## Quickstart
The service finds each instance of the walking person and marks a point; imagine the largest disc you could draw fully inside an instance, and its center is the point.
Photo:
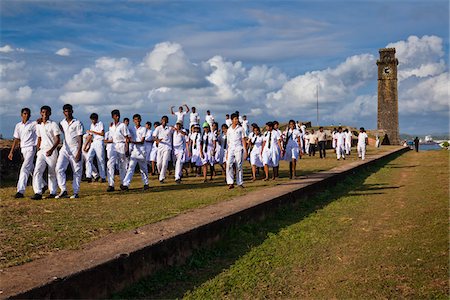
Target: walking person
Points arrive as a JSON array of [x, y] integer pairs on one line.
[[339, 137], [24, 136], [255, 143], [270, 151], [163, 136], [322, 140], [179, 150], [236, 152], [148, 143], [97, 148], [312, 143], [363, 141], [195, 148], [292, 148], [154, 150], [48, 138], [348, 141], [208, 149], [416, 144]]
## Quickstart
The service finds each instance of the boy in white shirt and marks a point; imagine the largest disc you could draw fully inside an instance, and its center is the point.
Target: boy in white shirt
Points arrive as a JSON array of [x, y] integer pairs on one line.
[[179, 150], [163, 136], [180, 113], [363, 140], [348, 141], [25, 136], [209, 118], [119, 136], [245, 124], [138, 155], [97, 148], [228, 121], [194, 118], [340, 143], [270, 150], [236, 152], [70, 153], [48, 134], [148, 142]]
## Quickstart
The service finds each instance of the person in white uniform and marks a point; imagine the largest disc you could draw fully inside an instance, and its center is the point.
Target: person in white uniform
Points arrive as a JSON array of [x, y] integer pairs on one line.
[[119, 135], [97, 148], [163, 136], [85, 158], [293, 147], [363, 141], [137, 154], [70, 153], [148, 143], [221, 148], [245, 125], [195, 148], [228, 121], [154, 151], [255, 142], [179, 150], [339, 137], [25, 136], [270, 150], [209, 118], [194, 118], [48, 138], [180, 113], [348, 141], [236, 152], [208, 150], [333, 139]]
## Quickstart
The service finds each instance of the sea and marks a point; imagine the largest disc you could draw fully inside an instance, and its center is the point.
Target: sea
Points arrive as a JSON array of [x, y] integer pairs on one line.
[[428, 147]]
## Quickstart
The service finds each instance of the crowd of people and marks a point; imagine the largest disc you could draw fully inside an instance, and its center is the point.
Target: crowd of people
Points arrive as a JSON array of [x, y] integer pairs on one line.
[[197, 148]]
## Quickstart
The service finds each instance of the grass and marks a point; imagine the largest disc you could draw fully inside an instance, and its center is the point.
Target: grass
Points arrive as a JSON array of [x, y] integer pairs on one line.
[[34, 229], [382, 233]]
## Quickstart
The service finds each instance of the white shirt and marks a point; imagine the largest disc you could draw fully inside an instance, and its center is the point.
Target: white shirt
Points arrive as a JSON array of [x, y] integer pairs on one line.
[[245, 125], [208, 141], [340, 138], [72, 131], [209, 119], [179, 139], [136, 135], [362, 136], [165, 133], [180, 116], [303, 128], [195, 140], [234, 137], [108, 145], [348, 138], [26, 133], [256, 141], [149, 137], [118, 132], [194, 118], [292, 137], [228, 122], [47, 132], [97, 127], [271, 138]]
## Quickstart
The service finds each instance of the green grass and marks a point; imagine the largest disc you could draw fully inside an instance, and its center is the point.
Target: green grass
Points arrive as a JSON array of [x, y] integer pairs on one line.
[[34, 229], [382, 233]]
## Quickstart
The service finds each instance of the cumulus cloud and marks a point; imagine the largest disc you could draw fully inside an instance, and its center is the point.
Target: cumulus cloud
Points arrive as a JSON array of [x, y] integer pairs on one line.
[[63, 52], [9, 49]]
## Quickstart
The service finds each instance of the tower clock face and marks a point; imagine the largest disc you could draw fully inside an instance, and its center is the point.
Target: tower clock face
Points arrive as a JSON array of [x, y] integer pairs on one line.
[[387, 70]]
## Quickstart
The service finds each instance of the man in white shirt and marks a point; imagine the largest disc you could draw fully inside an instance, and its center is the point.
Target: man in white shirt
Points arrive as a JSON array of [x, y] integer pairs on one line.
[[163, 136], [179, 150], [245, 124], [119, 136], [96, 148], [228, 121], [70, 153], [340, 143], [194, 118], [209, 118], [138, 154], [48, 134], [348, 141], [363, 140], [322, 139], [25, 136], [180, 113], [236, 152]]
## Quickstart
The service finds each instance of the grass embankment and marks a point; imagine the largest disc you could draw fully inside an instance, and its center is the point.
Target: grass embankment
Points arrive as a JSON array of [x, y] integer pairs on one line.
[[32, 229], [376, 235]]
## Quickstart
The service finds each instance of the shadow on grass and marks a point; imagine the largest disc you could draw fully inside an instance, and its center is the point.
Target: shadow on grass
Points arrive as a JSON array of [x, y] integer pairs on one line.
[[206, 263]]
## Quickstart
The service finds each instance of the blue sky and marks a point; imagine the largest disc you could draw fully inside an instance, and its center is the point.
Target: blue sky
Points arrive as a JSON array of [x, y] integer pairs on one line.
[[259, 57]]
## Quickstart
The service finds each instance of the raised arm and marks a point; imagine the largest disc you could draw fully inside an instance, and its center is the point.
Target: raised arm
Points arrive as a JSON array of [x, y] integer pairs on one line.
[[187, 108]]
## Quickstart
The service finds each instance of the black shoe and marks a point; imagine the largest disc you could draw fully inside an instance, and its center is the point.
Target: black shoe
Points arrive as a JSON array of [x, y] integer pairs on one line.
[[62, 195], [110, 189], [51, 196], [89, 180], [241, 186], [178, 181], [103, 180], [146, 187], [18, 195], [123, 187], [36, 197], [97, 178], [161, 181]]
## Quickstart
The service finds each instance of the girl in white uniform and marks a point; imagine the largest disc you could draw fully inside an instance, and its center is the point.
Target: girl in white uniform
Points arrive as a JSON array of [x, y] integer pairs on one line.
[[255, 142], [154, 151], [195, 148], [293, 146], [270, 150], [209, 149]]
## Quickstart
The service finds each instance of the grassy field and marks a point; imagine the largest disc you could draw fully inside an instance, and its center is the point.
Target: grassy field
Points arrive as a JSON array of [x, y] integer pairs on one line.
[[379, 234], [33, 229]]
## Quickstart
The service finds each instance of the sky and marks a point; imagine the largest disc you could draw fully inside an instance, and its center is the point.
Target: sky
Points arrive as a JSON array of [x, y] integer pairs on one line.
[[266, 59]]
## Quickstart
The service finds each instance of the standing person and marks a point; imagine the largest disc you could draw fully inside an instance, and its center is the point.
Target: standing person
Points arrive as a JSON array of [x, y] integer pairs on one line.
[[333, 139], [194, 118], [363, 141], [292, 148], [119, 135], [228, 121], [245, 124], [221, 148], [163, 136], [48, 138], [70, 153], [208, 150], [312, 143], [137, 154], [270, 150], [209, 118], [154, 151], [322, 139], [255, 143], [307, 141], [416, 144], [93, 172], [25, 136], [348, 141], [180, 113], [179, 150], [97, 148], [148, 143], [340, 143], [195, 148], [236, 153]]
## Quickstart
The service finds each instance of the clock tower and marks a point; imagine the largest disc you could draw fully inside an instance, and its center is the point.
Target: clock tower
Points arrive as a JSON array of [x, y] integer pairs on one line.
[[388, 97]]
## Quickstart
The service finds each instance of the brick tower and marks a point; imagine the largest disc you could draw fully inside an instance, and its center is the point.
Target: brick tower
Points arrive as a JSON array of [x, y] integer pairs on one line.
[[388, 96]]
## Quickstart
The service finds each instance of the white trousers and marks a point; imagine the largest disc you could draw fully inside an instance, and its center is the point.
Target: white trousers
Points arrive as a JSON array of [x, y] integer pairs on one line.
[[97, 150], [43, 161], [27, 168], [65, 158], [340, 151], [348, 148], [119, 159], [134, 160], [179, 157], [162, 161], [235, 157], [362, 151]]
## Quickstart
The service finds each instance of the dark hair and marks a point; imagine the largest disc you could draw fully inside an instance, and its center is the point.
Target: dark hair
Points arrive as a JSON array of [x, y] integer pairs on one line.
[[340, 128], [115, 112], [321, 127], [148, 123], [156, 124], [94, 116], [137, 116], [47, 108], [215, 123], [224, 126], [25, 109], [362, 128], [291, 121], [234, 115], [270, 124], [165, 117], [255, 125], [68, 107], [227, 115], [208, 111], [275, 123]]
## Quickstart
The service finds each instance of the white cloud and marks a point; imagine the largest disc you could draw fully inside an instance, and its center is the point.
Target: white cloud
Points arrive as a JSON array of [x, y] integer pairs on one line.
[[63, 52], [9, 49]]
